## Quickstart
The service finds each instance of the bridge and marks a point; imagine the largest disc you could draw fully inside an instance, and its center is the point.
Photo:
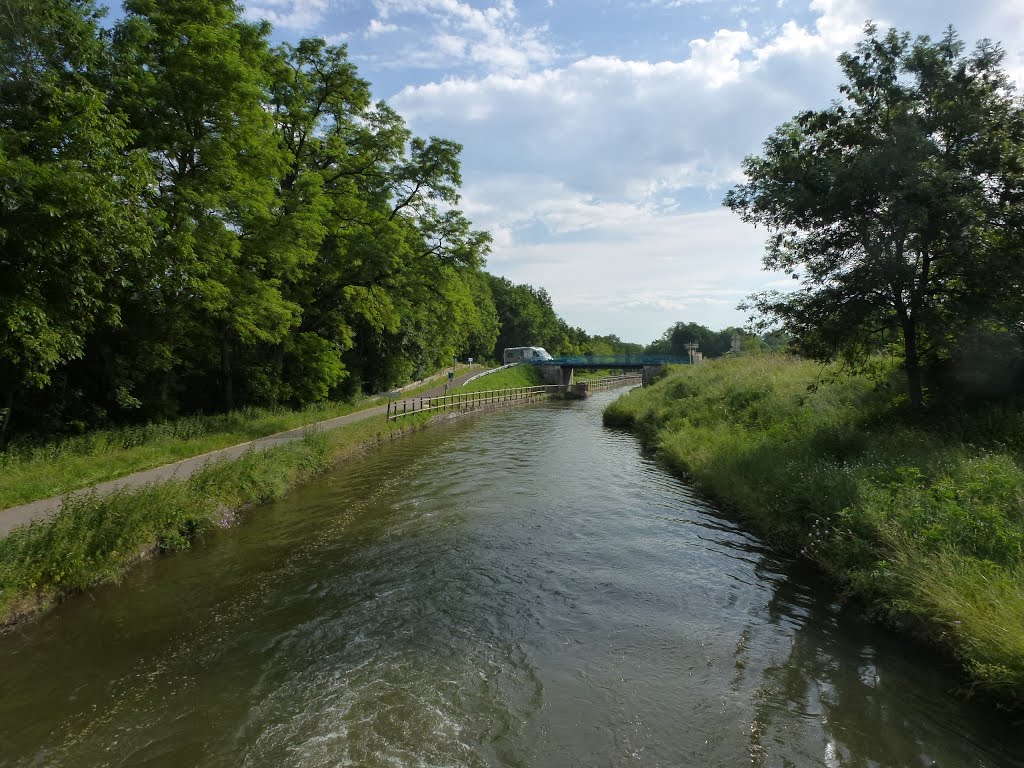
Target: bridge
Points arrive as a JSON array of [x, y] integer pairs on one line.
[[562, 368], [632, 362]]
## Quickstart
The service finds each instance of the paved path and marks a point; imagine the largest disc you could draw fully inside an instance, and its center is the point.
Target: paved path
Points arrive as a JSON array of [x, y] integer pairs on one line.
[[12, 517]]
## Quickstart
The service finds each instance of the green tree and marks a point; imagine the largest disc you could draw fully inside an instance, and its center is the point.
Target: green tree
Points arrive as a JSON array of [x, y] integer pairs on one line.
[[193, 76], [710, 343], [386, 261], [72, 222], [898, 207], [319, 108]]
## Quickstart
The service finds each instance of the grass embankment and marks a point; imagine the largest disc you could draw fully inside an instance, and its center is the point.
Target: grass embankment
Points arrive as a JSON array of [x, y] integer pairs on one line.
[[516, 376], [95, 540], [39, 470], [921, 521]]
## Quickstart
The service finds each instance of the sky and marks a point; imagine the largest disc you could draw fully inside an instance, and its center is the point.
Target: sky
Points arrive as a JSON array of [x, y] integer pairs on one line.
[[599, 137]]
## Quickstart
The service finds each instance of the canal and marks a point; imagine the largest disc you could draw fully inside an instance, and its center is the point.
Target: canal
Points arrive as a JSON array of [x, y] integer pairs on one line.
[[522, 588]]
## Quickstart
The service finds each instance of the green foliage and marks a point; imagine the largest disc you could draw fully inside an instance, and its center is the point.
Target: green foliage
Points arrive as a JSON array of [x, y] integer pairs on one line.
[[72, 218], [898, 209], [527, 318], [223, 223], [921, 520], [710, 343], [192, 77]]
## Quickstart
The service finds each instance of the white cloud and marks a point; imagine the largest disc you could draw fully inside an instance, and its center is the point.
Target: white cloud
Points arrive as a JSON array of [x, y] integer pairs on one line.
[[644, 273], [378, 27], [460, 34], [617, 128], [601, 178], [290, 14], [717, 60], [678, 3]]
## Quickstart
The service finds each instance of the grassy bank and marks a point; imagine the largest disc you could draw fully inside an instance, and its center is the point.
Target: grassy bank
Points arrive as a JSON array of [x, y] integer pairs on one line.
[[41, 469], [38, 471], [922, 521], [94, 540], [516, 376]]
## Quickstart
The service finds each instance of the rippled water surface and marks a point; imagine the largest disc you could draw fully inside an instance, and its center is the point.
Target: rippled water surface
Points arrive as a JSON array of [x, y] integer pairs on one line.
[[522, 588]]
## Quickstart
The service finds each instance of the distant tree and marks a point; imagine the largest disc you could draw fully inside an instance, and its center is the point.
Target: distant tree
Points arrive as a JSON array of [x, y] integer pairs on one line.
[[898, 207], [675, 339], [776, 340], [611, 345]]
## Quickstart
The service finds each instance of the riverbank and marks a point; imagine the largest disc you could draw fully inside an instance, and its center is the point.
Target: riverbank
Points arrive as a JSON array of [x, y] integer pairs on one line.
[[923, 522], [38, 469], [96, 539]]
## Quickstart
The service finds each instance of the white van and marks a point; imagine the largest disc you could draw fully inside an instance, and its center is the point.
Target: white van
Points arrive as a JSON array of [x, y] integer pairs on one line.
[[525, 355]]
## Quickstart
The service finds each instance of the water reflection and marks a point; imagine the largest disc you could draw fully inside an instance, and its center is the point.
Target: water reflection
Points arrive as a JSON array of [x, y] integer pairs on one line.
[[847, 695]]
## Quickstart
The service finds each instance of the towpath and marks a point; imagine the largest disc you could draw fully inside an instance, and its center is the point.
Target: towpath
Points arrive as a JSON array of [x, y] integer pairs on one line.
[[12, 517]]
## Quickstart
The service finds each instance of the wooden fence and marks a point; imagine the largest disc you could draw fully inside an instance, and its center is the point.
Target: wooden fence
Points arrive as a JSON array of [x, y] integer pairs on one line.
[[466, 401], [607, 382]]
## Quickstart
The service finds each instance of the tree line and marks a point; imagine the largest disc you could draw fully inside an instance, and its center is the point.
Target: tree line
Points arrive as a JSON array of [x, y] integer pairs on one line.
[[193, 219]]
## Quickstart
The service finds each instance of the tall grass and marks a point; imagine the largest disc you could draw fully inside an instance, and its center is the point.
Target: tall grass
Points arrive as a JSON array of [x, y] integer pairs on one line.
[[921, 520], [94, 539], [40, 467]]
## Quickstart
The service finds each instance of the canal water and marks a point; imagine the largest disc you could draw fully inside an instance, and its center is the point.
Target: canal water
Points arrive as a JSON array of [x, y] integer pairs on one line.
[[523, 588]]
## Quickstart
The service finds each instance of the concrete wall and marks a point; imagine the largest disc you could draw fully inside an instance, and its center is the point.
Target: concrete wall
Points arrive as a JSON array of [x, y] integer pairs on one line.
[[555, 374]]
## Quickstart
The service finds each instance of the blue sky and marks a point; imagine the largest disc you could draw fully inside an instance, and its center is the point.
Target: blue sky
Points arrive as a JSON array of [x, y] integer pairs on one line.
[[600, 137]]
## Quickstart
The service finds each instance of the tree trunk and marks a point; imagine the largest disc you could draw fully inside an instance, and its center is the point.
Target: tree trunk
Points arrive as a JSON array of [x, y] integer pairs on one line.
[[278, 374], [227, 391], [5, 416], [912, 365]]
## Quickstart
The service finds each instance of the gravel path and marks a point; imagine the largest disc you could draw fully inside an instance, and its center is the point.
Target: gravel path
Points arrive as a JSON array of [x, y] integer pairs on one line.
[[12, 517]]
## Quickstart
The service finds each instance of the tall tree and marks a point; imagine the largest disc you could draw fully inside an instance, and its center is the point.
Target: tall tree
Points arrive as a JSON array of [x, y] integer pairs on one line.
[[193, 79], [527, 318], [385, 256], [71, 212], [898, 207]]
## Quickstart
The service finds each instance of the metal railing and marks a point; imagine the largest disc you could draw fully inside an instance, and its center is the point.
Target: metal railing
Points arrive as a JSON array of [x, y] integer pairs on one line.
[[607, 382], [464, 401], [612, 361]]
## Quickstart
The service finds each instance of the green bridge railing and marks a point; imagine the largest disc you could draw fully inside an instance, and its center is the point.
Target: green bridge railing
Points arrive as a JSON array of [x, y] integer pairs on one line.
[[468, 401], [613, 361]]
